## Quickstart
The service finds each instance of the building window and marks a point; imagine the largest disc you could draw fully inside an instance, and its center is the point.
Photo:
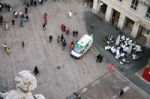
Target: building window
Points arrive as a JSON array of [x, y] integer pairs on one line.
[[134, 4], [148, 13]]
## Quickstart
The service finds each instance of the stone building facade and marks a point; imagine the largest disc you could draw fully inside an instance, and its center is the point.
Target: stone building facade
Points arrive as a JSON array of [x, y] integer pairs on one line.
[[131, 16]]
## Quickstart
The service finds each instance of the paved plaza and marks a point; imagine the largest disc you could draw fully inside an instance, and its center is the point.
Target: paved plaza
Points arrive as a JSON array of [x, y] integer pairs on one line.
[[53, 83], [60, 74], [108, 87]]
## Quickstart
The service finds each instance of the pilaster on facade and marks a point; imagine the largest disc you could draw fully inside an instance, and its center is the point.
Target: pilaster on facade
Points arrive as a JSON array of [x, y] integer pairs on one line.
[[95, 6], [109, 13], [148, 42], [121, 21], [135, 30]]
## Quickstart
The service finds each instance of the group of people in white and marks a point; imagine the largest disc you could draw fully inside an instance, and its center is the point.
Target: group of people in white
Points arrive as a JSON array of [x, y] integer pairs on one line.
[[123, 48]]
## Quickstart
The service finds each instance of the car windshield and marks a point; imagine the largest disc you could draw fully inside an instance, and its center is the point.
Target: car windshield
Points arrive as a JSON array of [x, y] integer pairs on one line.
[[78, 48]]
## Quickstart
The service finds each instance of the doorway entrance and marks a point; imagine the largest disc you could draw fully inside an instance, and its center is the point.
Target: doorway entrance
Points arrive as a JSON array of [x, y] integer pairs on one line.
[[128, 25], [115, 17], [102, 11]]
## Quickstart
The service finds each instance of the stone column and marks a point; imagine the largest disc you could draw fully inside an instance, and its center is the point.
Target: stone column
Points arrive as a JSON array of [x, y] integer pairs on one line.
[[148, 42], [95, 3], [109, 13], [135, 29], [98, 8], [121, 21]]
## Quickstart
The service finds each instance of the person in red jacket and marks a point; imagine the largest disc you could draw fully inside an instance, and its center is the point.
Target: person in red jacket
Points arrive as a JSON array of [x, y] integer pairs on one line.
[[45, 21], [63, 27], [71, 45]]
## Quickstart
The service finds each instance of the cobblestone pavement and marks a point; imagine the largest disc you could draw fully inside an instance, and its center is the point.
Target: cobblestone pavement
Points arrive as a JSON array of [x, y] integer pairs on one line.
[[53, 83]]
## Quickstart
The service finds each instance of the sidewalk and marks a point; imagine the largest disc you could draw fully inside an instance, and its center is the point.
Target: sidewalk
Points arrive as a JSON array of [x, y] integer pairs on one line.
[[108, 86], [102, 27]]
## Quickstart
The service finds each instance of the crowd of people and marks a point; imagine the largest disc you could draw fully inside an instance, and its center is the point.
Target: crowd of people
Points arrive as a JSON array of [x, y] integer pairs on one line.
[[5, 6], [33, 2], [123, 49]]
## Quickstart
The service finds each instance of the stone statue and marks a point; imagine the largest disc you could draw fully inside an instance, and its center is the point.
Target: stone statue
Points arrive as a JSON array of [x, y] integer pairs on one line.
[[25, 84]]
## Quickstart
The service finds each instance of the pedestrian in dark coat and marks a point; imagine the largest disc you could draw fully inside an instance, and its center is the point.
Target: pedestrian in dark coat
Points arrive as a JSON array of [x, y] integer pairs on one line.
[[98, 58], [26, 10], [74, 33], [36, 71], [64, 43], [35, 3], [1, 19], [50, 38], [22, 44], [27, 18], [62, 37], [13, 22], [101, 59]]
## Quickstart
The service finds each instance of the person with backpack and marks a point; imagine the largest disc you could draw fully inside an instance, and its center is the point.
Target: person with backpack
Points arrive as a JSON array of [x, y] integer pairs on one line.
[[36, 71]]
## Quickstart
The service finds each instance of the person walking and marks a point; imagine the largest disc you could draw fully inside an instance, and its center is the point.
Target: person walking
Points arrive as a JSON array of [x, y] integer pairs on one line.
[[6, 26], [13, 22], [21, 22], [58, 39], [1, 19], [76, 33], [27, 18], [71, 45], [5, 46], [101, 59], [26, 10], [15, 14], [62, 37], [35, 3], [36, 71], [22, 43], [45, 15], [98, 58], [64, 43], [41, 1], [44, 26], [45, 21], [50, 38], [63, 27], [67, 31]]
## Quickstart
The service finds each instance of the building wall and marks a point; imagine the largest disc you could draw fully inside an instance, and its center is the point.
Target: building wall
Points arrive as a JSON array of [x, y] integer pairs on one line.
[[138, 15]]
